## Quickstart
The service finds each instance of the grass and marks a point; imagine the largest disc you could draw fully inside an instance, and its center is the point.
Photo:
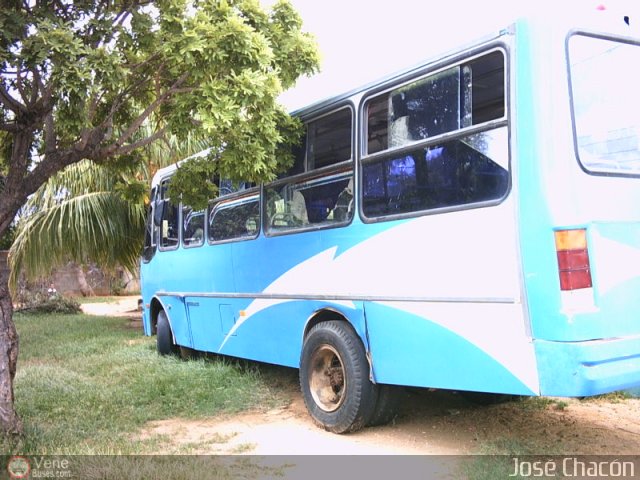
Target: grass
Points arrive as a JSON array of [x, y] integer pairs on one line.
[[85, 385], [613, 397]]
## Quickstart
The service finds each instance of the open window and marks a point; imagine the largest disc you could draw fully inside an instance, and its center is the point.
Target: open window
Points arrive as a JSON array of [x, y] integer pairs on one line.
[[324, 200], [149, 248], [320, 192]]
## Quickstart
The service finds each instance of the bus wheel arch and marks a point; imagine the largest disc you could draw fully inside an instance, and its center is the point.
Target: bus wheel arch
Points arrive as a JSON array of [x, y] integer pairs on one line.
[[334, 377], [154, 309], [330, 314], [324, 315], [165, 344], [161, 327]]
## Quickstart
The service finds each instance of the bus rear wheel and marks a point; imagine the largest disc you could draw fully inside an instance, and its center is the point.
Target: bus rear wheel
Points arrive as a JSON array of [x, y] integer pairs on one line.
[[164, 337], [334, 378], [387, 405]]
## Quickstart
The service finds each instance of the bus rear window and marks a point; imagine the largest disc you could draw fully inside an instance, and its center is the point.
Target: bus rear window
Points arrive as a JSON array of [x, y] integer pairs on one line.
[[606, 102]]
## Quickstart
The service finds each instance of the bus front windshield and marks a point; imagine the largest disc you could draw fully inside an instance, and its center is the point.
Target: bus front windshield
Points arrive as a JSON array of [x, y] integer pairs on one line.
[[606, 104]]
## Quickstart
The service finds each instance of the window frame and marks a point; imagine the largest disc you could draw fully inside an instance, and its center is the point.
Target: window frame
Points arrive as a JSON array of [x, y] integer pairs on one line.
[[204, 227], [419, 75], [574, 128], [309, 175], [220, 204], [179, 220], [150, 228]]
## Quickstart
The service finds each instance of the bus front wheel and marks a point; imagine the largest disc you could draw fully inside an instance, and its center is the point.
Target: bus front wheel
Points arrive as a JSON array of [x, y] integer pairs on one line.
[[334, 378], [164, 337]]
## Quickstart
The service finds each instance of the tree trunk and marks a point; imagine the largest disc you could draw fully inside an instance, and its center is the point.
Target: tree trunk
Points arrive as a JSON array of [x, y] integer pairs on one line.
[[85, 288], [10, 423]]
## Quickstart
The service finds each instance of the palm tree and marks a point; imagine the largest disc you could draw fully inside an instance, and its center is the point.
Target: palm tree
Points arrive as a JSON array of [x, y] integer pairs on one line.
[[90, 213]]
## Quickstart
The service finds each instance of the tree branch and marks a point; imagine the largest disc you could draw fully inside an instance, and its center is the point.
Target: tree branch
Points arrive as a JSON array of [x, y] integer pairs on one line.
[[37, 85], [175, 88], [117, 23], [9, 127], [94, 100], [19, 84], [50, 137], [50, 165], [10, 102], [125, 149]]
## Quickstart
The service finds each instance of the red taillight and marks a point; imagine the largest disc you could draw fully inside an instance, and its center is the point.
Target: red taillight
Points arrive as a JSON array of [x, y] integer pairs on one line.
[[573, 259]]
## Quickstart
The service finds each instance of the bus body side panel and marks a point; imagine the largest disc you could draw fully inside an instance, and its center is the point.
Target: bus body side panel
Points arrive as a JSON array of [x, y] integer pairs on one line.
[[209, 320], [292, 278], [165, 273], [272, 330], [464, 346], [462, 325], [178, 319], [586, 340], [199, 269]]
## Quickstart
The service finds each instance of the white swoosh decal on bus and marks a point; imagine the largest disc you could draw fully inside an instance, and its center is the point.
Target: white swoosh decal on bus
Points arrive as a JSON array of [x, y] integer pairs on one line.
[[303, 273], [615, 262], [498, 330], [461, 259]]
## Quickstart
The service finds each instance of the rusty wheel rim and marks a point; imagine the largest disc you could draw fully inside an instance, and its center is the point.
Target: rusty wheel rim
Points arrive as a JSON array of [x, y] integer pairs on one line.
[[327, 380]]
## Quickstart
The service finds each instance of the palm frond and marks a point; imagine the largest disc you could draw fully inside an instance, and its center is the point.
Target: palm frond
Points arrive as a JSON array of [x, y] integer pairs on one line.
[[99, 227], [82, 213]]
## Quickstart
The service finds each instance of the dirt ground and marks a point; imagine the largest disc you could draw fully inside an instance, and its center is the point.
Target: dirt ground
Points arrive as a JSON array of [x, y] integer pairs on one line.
[[429, 422]]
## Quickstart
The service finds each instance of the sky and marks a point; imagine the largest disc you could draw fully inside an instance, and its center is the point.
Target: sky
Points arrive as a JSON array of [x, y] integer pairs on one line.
[[364, 40]]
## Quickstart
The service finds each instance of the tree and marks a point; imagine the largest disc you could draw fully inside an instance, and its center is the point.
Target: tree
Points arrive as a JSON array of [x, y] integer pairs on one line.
[[91, 213], [79, 78]]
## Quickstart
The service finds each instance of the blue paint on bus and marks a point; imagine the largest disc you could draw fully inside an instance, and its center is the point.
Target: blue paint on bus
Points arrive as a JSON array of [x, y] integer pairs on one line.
[[491, 249]]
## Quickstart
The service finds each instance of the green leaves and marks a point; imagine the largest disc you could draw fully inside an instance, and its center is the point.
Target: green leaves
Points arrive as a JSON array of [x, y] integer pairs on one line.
[[103, 81], [194, 183], [203, 67]]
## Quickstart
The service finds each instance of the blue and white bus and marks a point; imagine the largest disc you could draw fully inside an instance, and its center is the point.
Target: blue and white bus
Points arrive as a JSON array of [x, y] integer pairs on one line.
[[471, 223]]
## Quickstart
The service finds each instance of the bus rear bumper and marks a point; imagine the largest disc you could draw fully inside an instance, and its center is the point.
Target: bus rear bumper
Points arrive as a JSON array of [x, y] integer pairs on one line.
[[576, 369]]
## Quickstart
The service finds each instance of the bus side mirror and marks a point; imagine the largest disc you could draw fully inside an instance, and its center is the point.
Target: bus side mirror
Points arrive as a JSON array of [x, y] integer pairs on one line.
[[158, 212]]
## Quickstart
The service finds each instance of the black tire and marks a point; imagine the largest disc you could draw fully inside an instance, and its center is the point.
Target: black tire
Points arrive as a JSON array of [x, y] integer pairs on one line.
[[387, 404], [334, 378], [164, 337]]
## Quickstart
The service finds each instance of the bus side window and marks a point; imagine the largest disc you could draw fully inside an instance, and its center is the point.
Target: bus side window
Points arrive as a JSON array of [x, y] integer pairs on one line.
[[235, 219], [416, 168], [329, 140], [149, 249], [169, 230], [320, 201], [170, 223], [193, 228], [469, 170], [321, 173]]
